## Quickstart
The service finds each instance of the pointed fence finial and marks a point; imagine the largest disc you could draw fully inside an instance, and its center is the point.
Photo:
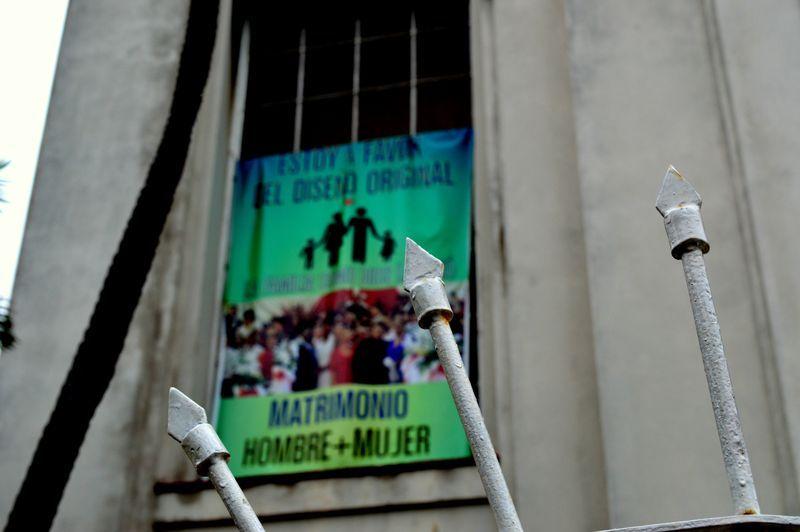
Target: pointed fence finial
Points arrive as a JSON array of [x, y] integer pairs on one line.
[[423, 281], [419, 265], [187, 423], [676, 192], [184, 415], [679, 204]]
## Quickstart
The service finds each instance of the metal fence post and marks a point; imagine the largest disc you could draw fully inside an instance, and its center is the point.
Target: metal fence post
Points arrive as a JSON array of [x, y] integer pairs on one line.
[[679, 204], [422, 279], [188, 425]]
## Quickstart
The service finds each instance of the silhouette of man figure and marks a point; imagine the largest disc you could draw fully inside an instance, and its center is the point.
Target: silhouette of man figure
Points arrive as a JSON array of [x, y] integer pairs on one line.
[[308, 253], [333, 238], [360, 224]]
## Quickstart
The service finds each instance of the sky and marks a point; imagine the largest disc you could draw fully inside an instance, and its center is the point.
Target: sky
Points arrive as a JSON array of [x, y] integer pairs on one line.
[[30, 35]]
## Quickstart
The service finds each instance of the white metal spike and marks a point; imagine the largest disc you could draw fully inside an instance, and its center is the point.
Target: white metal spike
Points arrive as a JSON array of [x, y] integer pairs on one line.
[[423, 280], [679, 204], [187, 423], [184, 415], [676, 192], [420, 265]]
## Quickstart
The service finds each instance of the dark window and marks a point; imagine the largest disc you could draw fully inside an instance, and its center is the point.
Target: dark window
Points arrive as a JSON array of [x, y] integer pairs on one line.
[[329, 26], [268, 129], [444, 104], [354, 71], [326, 122], [384, 19], [442, 52], [383, 113], [385, 61], [273, 78]]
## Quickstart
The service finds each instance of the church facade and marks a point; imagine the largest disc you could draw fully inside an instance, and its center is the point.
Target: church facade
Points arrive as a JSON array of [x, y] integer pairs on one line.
[[565, 116]]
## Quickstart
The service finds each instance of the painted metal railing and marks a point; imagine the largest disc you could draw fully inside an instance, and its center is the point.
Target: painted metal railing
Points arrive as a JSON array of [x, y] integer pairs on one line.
[[679, 204], [188, 425], [422, 279]]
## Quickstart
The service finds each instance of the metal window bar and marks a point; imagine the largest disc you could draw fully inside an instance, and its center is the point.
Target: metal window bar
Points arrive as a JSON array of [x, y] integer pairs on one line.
[[412, 93], [414, 82], [301, 77], [356, 81]]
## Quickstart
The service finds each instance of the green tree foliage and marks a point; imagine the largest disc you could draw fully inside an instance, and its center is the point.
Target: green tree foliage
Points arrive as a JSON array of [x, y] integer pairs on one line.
[[7, 338]]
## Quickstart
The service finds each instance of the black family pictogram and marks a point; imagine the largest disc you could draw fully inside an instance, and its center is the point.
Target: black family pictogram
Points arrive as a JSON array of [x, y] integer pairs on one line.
[[332, 240]]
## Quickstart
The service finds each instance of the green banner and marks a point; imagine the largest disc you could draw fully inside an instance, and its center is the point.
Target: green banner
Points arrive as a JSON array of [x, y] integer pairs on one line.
[[324, 365], [341, 427], [310, 222]]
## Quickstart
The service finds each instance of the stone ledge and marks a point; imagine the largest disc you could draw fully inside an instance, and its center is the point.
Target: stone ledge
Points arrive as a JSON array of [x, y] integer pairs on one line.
[[723, 524], [330, 495]]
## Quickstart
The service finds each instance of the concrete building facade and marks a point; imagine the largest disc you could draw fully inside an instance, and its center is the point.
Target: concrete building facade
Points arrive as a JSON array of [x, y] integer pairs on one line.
[[590, 376]]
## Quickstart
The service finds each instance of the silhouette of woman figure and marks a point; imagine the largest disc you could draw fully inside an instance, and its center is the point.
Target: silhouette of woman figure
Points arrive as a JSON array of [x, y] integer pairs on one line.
[[333, 238], [360, 224]]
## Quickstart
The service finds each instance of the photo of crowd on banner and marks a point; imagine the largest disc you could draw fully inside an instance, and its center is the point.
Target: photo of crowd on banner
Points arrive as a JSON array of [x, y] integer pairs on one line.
[[361, 337]]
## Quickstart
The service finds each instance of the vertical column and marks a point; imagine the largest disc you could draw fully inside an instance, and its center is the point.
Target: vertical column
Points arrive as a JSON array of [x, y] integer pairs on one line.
[[757, 67]]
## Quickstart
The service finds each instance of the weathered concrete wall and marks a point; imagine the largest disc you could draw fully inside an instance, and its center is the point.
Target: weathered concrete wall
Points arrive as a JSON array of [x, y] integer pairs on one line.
[[437, 520], [647, 93], [540, 351], [759, 72], [700, 84], [111, 94], [369, 494]]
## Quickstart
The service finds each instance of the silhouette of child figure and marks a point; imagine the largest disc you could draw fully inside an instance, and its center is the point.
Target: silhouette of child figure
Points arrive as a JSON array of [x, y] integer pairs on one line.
[[387, 250], [308, 253]]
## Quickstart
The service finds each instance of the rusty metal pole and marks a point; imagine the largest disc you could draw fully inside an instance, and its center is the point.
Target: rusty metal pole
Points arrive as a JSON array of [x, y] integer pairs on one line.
[[188, 425], [423, 281], [679, 204]]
